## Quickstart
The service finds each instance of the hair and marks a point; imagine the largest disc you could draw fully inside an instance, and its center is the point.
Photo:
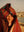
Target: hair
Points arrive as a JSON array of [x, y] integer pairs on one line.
[[9, 27]]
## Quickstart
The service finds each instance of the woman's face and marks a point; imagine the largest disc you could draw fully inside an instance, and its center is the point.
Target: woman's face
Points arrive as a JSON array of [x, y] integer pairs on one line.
[[10, 18]]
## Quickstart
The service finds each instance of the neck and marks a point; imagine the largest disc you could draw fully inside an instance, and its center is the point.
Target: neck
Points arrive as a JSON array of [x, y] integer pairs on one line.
[[9, 24]]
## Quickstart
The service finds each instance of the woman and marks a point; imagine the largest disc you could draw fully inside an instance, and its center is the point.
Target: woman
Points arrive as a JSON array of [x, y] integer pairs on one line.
[[9, 19]]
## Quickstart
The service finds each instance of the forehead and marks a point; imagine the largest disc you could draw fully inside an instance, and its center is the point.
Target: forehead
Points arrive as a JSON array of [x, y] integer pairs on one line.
[[9, 15]]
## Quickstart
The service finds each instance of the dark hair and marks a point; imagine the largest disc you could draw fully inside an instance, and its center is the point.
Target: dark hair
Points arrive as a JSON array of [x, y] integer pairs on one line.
[[9, 27]]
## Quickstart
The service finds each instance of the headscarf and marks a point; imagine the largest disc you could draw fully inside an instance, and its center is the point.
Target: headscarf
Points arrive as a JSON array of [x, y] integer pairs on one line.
[[10, 10]]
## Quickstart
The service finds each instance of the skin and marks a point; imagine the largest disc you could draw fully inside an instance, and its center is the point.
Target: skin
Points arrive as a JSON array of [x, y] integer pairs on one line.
[[10, 19]]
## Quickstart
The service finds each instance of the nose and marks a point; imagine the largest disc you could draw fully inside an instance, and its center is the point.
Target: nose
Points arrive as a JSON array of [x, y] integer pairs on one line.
[[9, 18]]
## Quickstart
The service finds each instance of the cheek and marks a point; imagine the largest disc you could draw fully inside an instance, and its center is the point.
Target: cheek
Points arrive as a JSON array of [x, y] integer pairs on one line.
[[8, 19], [11, 19]]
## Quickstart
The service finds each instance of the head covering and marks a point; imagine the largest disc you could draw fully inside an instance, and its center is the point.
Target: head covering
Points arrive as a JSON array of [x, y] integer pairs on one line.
[[8, 9]]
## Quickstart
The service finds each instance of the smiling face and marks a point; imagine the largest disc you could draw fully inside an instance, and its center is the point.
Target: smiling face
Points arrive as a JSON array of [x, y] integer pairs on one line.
[[10, 18]]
